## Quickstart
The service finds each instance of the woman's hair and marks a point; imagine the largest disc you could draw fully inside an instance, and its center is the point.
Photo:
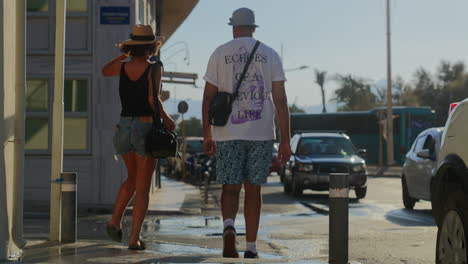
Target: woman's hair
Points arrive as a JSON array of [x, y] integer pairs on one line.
[[141, 50]]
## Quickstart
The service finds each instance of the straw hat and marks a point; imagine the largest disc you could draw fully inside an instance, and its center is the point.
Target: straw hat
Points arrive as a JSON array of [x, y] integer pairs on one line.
[[141, 35]]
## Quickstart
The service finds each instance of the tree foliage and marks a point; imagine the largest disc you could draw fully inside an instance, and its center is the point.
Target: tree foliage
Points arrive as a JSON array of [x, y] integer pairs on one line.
[[354, 94], [320, 78], [449, 84], [295, 109]]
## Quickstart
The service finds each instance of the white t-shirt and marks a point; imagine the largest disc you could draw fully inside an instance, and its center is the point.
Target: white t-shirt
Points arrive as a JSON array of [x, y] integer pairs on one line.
[[252, 116]]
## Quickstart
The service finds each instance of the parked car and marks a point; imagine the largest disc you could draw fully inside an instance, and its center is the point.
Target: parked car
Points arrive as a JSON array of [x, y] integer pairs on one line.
[[193, 149], [449, 189], [420, 166], [316, 155], [276, 165]]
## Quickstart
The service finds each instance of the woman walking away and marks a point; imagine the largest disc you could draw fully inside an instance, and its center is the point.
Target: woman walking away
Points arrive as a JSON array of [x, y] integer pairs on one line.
[[136, 95]]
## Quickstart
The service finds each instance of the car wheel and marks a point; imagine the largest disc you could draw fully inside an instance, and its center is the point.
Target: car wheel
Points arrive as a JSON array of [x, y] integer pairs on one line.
[[408, 202], [296, 189], [360, 192], [452, 233]]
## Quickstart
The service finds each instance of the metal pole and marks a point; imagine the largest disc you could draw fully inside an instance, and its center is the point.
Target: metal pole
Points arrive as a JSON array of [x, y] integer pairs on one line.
[[17, 226], [68, 207], [184, 149], [57, 122], [390, 160], [338, 220]]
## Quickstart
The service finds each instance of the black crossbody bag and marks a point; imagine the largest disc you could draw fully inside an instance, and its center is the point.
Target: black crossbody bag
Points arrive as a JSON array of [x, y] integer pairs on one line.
[[221, 106], [160, 142]]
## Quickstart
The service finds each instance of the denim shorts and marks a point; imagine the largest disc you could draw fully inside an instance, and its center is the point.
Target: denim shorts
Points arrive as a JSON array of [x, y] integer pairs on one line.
[[242, 160], [130, 136]]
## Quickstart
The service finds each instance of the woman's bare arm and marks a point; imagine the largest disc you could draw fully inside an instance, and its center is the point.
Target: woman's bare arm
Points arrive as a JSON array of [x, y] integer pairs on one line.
[[112, 68], [158, 71]]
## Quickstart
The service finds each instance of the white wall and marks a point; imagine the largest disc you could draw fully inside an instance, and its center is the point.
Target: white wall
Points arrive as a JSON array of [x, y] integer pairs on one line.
[[10, 191]]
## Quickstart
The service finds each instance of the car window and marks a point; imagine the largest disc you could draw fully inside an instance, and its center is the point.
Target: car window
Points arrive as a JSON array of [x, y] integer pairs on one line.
[[294, 142], [324, 146], [419, 143], [429, 144], [194, 146]]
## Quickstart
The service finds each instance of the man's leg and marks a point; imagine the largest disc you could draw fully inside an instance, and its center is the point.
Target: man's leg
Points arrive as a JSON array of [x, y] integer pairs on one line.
[[229, 208], [257, 169], [252, 210]]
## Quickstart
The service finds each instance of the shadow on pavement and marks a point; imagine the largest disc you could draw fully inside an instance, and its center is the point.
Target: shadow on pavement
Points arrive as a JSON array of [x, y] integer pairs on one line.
[[405, 217]]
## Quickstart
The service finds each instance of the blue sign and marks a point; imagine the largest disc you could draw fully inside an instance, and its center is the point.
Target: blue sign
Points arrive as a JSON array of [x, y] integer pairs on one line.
[[115, 15]]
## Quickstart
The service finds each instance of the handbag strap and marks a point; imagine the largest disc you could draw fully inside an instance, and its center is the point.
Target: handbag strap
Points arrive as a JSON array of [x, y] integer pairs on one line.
[[246, 67], [157, 122]]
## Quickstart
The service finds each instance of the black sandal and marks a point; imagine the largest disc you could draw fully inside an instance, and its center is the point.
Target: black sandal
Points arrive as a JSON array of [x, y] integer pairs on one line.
[[138, 246], [114, 233]]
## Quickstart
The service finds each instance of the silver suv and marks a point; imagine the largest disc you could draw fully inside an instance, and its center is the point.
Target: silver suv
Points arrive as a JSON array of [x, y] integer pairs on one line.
[[449, 189]]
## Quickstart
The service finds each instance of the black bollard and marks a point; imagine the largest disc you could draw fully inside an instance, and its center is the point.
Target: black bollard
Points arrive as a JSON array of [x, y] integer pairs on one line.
[[338, 221], [68, 207]]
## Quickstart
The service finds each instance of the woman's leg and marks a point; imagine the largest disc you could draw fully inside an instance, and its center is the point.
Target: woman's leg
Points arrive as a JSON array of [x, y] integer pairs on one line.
[[127, 190], [146, 166]]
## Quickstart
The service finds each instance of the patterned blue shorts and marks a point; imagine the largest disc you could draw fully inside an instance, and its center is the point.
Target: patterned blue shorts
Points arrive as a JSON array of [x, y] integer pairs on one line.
[[130, 136], [239, 160]]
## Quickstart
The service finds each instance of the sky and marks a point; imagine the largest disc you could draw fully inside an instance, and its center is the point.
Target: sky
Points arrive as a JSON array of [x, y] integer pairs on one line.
[[337, 36]]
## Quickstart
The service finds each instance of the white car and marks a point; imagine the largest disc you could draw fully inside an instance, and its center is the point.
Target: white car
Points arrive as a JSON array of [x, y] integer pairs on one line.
[[420, 166], [449, 189]]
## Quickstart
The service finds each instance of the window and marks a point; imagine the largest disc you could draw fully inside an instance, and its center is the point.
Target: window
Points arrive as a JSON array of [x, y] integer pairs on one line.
[[430, 145], [77, 5], [38, 5], [75, 125], [37, 119], [41, 27], [39, 112], [418, 146]]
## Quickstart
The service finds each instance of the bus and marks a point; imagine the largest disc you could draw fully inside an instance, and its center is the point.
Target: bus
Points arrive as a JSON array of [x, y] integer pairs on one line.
[[364, 130]]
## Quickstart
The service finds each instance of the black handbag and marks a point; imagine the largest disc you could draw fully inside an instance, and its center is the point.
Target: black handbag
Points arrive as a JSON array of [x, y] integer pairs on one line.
[[221, 106], [160, 142]]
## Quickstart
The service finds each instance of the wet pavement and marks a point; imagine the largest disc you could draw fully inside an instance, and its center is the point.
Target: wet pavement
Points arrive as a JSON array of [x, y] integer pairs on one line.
[[181, 235], [168, 239], [293, 230]]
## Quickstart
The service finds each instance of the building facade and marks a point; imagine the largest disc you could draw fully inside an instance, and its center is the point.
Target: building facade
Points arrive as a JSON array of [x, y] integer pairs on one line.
[[91, 101]]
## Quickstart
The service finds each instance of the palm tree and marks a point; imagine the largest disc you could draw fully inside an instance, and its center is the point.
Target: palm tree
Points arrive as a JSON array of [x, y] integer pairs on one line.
[[320, 78]]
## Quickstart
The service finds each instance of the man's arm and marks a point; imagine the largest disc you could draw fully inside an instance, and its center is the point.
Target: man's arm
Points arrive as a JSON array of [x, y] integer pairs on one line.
[[208, 95], [282, 115]]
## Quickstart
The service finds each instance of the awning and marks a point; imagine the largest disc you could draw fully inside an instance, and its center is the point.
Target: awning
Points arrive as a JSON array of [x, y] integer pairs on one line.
[[173, 13]]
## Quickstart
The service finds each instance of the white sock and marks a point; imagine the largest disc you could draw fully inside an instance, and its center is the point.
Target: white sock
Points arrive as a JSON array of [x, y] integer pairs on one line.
[[252, 246], [228, 222]]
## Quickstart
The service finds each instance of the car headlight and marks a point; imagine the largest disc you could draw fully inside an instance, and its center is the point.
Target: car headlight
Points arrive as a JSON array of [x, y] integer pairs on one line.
[[305, 167], [359, 168]]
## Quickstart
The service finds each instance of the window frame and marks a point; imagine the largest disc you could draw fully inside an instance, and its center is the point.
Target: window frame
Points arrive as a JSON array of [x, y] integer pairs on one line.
[[48, 115]]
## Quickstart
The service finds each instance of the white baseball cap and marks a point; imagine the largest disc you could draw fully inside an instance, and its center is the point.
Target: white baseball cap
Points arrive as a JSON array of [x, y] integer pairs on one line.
[[242, 17]]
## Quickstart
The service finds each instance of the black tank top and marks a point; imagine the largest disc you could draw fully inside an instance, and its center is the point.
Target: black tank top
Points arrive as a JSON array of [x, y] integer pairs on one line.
[[134, 94]]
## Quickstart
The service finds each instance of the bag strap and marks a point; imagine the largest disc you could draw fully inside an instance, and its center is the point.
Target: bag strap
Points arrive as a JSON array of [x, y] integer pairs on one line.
[[246, 67], [157, 122]]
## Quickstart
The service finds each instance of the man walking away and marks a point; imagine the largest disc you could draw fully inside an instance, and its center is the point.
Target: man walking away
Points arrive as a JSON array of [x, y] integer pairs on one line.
[[243, 147]]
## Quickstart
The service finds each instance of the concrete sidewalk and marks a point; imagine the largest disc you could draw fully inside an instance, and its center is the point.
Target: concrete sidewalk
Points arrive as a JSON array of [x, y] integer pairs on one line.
[[174, 230]]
